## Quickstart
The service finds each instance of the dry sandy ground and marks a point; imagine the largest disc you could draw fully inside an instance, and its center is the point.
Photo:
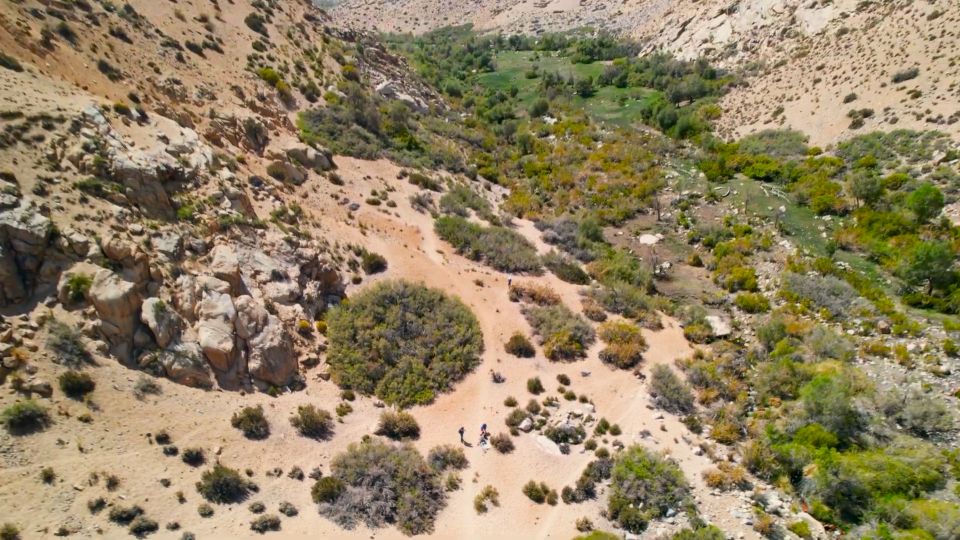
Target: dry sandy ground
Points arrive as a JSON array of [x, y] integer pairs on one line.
[[117, 440]]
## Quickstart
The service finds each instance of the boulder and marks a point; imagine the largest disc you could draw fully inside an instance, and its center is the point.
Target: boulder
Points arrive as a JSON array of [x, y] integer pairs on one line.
[[225, 265], [217, 314], [36, 385], [548, 446], [526, 426], [287, 172], [183, 363], [309, 157], [271, 357], [24, 236], [136, 263], [251, 316], [164, 323], [117, 303]]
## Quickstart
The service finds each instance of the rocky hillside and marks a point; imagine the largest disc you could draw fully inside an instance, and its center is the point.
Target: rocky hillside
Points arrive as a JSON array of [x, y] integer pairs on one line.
[[807, 64]]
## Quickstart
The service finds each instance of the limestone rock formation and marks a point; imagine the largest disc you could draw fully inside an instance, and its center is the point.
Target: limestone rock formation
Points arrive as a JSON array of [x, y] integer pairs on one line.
[[117, 303], [217, 314], [24, 238], [164, 323]]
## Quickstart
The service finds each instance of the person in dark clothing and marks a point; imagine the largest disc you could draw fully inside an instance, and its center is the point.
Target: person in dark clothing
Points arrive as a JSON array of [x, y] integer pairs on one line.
[[462, 431]]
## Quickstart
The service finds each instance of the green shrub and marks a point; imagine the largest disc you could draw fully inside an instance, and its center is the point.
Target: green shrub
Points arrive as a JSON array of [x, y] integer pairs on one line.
[[288, 509], [47, 475], [256, 22], [670, 393], [625, 344], [498, 247], [801, 529], [752, 302], [373, 263], [565, 434], [205, 510], [441, 338], [193, 457], [142, 526], [536, 492], [446, 457], [252, 422], [76, 384], [836, 296], [398, 426], [327, 490], [78, 286], [517, 416], [905, 75], [502, 442], [830, 400], [534, 386], [519, 346], [66, 343], [222, 485], [9, 62], [264, 523], [386, 484], [25, 417], [487, 494], [563, 334], [565, 268], [644, 487], [312, 422], [123, 515]]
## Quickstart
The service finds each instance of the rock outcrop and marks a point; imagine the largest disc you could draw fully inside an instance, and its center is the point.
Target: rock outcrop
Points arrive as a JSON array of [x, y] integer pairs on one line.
[[117, 303], [164, 323], [215, 330], [24, 238]]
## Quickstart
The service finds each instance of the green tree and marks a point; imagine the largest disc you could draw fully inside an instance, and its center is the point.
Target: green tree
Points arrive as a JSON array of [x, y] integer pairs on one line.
[[866, 187], [925, 202], [929, 264], [584, 87]]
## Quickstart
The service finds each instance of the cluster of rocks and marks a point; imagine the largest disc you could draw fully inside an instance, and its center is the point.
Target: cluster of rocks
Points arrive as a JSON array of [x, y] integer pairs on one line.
[[163, 299], [212, 323]]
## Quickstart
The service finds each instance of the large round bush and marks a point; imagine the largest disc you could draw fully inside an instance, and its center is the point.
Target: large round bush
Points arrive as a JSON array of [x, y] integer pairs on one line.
[[403, 342]]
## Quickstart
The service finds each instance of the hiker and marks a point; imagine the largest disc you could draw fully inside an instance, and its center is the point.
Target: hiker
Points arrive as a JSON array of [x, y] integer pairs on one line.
[[461, 431], [483, 430], [509, 282]]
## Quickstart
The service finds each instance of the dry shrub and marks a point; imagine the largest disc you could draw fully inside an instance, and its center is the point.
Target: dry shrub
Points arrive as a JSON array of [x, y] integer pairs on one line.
[[534, 293]]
